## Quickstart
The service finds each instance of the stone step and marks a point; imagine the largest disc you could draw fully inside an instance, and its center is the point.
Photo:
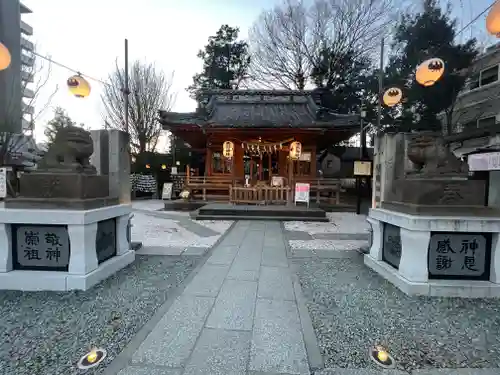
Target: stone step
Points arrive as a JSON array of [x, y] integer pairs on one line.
[[196, 216]]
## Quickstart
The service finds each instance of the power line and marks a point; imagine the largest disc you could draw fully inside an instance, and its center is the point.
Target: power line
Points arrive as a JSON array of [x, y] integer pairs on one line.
[[68, 68], [475, 19]]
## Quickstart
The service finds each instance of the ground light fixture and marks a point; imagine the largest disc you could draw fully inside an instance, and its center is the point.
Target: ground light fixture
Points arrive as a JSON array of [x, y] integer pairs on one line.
[[381, 357], [92, 359]]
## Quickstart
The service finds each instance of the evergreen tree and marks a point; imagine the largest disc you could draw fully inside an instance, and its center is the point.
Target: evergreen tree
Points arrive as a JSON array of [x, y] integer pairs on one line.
[[225, 62], [59, 121], [418, 37]]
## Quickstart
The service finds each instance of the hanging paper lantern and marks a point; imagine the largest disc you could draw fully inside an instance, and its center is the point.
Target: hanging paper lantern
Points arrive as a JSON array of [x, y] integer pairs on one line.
[[493, 20], [392, 96], [78, 86], [295, 150], [430, 71], [228, 149], [5, 57]]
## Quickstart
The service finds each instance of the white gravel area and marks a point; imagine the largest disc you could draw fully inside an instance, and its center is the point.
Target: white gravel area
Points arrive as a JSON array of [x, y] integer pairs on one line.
[[327, 244], [159, 232], [217, 225], [340, 222], [148, 204]]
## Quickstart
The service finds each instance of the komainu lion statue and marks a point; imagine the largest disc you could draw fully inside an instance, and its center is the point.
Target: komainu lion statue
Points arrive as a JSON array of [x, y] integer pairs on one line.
[[431, 156], [69, 153]]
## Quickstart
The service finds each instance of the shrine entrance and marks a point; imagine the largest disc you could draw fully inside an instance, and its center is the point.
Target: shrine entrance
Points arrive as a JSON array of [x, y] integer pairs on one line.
[[260, 168]]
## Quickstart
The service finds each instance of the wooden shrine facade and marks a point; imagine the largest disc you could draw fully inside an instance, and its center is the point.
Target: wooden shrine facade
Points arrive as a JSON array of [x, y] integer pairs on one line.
[[261, 125]]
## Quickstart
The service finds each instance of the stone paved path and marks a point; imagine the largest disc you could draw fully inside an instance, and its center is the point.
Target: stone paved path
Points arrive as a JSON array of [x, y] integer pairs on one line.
[[238, 315]]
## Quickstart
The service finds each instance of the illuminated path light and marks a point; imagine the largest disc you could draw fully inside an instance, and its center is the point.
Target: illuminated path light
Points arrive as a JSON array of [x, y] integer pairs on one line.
[[92, 359], [381, 357]]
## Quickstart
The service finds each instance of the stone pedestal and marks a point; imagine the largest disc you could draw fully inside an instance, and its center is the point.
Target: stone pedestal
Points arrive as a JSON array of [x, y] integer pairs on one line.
[[62, 250], [62, 191], [419, 254], [437, 196]]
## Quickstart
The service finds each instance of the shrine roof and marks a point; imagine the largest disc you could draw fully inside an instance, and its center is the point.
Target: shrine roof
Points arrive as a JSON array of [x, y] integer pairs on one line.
[[259, 109]]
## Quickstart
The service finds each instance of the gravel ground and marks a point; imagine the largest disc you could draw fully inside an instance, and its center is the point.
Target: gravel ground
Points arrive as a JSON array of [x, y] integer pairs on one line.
[[45, 333], [352, 308]]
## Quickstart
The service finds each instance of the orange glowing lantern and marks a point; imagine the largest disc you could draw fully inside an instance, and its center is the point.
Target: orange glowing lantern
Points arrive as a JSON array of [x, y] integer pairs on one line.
[[78, 86], [493, 20], [430, 71], [5, 57], [295, 150], [228, 149], [392, 96]]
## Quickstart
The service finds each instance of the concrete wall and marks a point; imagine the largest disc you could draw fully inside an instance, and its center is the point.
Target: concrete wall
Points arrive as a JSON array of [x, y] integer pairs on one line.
[[10, 79], [494, 189], [390, 163], [111, 157]]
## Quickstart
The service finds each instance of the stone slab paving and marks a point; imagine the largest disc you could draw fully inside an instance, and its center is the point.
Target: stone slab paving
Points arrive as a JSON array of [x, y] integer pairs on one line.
[[238, 315]]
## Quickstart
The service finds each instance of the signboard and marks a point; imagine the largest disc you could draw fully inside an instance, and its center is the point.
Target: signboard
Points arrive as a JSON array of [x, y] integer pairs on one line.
[[484, 162], [41, 247], [277, 181], [173, 170], [362, 168], [3, 182], [391, 245], [105, 243], [167, 190], [302, 192], [305, 156], [459, 255]]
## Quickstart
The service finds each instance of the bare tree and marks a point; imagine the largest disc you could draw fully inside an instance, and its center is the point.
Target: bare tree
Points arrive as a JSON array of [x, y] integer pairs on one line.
[[39, 71], [288, 41], [150, 91]]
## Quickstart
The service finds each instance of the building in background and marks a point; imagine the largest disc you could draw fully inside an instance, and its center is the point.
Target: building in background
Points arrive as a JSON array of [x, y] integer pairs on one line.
[[478, 105], [15, 93], [476, 123]]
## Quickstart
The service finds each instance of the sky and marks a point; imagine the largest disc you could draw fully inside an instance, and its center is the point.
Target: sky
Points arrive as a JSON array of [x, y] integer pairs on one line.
[[88, 36]]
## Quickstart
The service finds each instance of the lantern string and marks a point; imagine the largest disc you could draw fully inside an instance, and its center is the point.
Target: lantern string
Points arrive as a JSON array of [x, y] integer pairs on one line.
[[476, 18], [107, 84], [70, 69]]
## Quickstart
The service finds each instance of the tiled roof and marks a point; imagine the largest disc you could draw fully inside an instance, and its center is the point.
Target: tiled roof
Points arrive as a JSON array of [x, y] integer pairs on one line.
[[260, 109]]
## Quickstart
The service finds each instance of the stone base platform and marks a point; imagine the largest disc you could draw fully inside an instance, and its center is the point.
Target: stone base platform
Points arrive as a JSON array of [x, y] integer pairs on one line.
[[410, 272], [92, 245], [62, 281], [225, 211]]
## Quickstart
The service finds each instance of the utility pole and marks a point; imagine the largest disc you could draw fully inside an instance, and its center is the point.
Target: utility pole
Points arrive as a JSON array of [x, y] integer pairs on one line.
[[126, 90], [362, 146], [380, 85]]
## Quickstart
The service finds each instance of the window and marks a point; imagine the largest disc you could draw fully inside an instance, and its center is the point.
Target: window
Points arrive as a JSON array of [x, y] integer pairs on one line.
[[481, 123], [487, 121], [220, 164], [489, 75], [483, 78]]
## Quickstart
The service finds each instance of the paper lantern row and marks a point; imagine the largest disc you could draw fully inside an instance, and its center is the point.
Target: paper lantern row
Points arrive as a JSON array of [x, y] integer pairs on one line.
[[295, 149]]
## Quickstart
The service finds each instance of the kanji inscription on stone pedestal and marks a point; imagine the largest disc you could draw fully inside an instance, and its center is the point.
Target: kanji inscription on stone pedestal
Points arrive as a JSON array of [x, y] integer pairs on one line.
[[42, 246], [457, 254], [391, 250]]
